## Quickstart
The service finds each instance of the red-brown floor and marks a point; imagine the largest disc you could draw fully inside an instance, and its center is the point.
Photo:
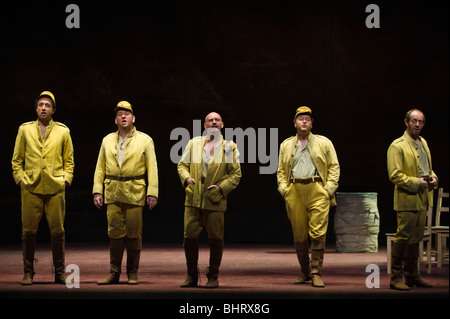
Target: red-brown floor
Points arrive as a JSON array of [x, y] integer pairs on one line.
[[248, 271]]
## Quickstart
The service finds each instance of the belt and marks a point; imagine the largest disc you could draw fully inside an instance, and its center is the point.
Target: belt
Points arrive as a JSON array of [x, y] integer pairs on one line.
[[306, 180], [125, 178]]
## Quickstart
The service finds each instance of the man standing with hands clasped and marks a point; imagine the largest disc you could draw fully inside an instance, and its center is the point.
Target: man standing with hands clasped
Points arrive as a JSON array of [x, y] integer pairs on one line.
[[410, 170], [127, 173], [308, 175]]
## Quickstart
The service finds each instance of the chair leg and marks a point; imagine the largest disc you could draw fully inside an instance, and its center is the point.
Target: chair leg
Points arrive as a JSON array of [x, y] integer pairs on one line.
[[419, 262], [389, 255], [444, 246], [439, 250], [429, 256]]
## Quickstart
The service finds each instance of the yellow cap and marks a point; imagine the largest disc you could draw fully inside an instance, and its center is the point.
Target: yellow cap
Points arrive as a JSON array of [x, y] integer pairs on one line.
[[47, 94], [123, 105], [303, 110]]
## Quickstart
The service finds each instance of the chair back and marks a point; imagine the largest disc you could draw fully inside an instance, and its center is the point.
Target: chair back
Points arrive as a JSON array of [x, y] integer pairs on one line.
[[440, 207], [429, 223]]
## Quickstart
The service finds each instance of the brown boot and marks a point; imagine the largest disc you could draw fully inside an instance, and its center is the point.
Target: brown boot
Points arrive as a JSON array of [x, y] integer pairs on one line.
[[116, 249], [317, 253], [215, 259], [28, 249], [134, 247], [302, 250], [58, 253], [410, 265], [191, 253], [398, 250]]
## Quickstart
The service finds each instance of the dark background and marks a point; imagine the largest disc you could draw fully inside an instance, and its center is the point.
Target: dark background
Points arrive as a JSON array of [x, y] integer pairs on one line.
[[254, 62]]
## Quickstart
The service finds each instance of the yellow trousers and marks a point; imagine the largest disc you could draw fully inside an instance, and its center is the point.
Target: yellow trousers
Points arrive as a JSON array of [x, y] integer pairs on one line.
[[195, 219], [307, 208], [411, 225], [124, 220], [34, 206]]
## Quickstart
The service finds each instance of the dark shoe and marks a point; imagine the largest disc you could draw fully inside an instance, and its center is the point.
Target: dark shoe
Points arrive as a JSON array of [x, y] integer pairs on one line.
[[398, 284], [317, 282], [27, 279], [111, 279], [303, 278], [418, 282], [133, 278], [190, 281], [60, 278], [213, 282]]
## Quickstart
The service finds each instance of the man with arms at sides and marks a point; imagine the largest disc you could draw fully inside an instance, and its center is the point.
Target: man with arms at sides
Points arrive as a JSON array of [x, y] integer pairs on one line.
[[127, 174]]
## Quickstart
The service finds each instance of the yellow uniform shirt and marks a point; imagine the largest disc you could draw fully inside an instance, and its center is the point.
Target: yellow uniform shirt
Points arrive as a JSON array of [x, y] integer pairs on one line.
[[223, 170], [324, 157], [43, 166], [403, 163], [139, 159]]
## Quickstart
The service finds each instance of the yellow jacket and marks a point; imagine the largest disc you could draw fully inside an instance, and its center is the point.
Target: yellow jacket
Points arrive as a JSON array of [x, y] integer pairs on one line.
[[403, 171], [139, 159], [43, 166], [324, 157], [224, 170]]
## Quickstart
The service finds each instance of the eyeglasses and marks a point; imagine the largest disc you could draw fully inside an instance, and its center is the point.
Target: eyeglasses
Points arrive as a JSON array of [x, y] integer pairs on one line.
[[414, 121], [304, 119]]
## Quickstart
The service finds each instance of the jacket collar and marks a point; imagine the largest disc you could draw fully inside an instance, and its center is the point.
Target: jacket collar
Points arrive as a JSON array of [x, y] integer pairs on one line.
[[411, 140], [129, 135], [204, 140], [311, 138], [51, 123], [49, 128]]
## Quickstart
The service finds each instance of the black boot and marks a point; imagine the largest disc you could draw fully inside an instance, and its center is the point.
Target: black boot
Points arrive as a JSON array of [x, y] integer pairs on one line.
[[28, 249], [191, 252], [215, 259]]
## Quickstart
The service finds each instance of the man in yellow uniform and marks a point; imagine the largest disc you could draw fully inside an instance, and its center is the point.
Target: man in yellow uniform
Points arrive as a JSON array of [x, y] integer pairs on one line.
[[410, 170], [127, 174], [42, 166], [209, 170], [308, 175]]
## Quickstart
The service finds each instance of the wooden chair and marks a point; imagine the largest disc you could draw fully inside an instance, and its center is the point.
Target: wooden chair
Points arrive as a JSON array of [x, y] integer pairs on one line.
[[427, 237], [440, 231]]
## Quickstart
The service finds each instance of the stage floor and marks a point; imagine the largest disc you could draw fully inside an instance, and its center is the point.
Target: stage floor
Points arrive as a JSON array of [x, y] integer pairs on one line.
[[257, 271]]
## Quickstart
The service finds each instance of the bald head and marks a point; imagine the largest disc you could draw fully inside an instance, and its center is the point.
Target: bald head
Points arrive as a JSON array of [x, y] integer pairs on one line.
[[213, 120]]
